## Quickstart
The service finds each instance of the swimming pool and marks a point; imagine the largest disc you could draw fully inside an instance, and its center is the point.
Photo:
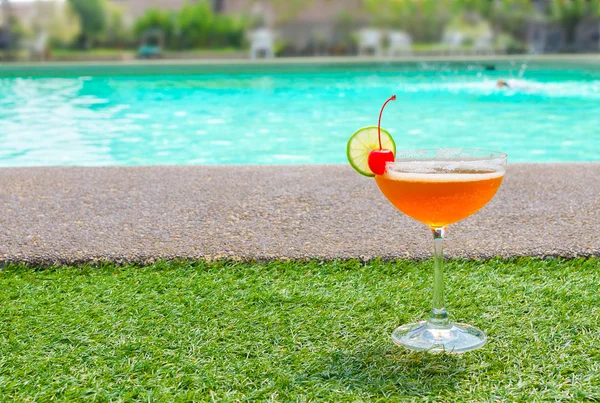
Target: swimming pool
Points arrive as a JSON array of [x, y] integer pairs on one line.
[[262, 115]]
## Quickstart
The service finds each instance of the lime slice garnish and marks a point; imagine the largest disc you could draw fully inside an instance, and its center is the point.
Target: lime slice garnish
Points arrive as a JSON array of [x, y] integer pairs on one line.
[[362, 143]]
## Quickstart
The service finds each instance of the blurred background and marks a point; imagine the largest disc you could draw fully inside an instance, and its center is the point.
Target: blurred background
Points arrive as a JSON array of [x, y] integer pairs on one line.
[[465, 72], [71, 30]]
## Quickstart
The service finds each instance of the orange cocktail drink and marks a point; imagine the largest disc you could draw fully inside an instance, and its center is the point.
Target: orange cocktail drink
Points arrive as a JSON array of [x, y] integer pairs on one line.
[[440, 187], [440, 198], [437, 187]]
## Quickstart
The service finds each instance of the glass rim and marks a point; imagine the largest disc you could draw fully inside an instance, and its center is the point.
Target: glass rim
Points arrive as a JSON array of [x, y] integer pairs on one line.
[[491, 154]]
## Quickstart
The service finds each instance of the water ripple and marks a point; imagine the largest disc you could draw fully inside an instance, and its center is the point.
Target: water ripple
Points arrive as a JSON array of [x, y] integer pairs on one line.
[[303, 118]]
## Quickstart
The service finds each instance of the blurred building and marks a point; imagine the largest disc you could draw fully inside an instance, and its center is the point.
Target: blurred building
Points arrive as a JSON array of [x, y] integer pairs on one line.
[[29, 13], [135, 8], [310, 27], [315, 10], [303, 26], [310, 10]]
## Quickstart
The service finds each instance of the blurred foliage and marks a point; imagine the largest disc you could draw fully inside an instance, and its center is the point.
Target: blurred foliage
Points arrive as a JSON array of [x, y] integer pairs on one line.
[[196, 23], [201, 28], [17, 32], [509, 43], [511, 16], [470, 24], [569, 13], [88, 23], [194, 26], [118, 34], [507, 17], [344, 27], [158, 20], [64, 28], [92, 17], [483, 7], [423, 19]]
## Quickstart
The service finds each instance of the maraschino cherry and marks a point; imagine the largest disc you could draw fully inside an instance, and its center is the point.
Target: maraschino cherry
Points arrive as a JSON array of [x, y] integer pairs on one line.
[[379, 158]]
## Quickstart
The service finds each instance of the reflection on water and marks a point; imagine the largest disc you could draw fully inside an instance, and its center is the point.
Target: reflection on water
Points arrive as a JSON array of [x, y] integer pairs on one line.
[[282, 118]]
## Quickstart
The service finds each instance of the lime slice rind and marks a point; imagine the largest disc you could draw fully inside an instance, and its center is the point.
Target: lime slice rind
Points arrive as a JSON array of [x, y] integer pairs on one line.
[[362, 142]]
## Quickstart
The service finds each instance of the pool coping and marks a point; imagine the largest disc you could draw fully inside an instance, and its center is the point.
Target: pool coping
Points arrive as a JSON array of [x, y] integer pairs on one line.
[[284, 64], [73, 215], [583, 57]]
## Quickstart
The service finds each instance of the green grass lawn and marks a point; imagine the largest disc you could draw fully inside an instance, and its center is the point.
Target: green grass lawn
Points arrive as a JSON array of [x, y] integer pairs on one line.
[[296, 332]]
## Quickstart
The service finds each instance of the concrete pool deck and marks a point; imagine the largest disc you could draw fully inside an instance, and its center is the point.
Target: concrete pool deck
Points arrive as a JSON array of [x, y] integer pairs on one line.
[[141, 214]]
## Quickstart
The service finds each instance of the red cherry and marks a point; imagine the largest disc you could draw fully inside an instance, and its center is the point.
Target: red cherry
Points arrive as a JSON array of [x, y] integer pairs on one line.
[[378, 159]]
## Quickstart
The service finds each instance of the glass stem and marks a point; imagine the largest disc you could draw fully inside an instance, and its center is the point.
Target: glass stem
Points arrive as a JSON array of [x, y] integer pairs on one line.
[[439, 317]]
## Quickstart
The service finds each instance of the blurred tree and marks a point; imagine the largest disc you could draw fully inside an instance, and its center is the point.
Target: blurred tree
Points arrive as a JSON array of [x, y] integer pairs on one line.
[[194, 26], [423, 19], [482, 7], [507, 19], [228, 32], [199, 27], [569, 13], [117, 33], [92, 17], [155, 19], [471, 25], [344, 27], [10, 31], [6, 11], [511, 15], [195, 22], [503, 14], [64, 27]]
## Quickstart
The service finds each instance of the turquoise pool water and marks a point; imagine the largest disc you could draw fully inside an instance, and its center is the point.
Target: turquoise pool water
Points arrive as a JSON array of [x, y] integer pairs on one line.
[[294, 117]]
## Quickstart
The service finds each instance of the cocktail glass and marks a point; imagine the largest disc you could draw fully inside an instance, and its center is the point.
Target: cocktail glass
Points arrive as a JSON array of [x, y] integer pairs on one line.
[[439, 187]]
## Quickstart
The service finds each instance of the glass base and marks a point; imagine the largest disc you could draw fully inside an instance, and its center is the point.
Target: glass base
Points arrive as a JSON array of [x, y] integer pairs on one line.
[[455, 339]]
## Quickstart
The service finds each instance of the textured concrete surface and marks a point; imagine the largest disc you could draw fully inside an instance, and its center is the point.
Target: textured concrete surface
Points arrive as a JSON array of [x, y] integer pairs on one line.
[[71, 215]]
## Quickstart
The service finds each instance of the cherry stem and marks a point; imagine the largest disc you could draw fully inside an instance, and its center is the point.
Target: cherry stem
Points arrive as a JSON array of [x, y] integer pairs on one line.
[[392, 98]]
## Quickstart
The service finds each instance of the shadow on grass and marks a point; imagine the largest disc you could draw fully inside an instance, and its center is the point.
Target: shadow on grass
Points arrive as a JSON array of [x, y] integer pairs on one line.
[[387, 371]]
